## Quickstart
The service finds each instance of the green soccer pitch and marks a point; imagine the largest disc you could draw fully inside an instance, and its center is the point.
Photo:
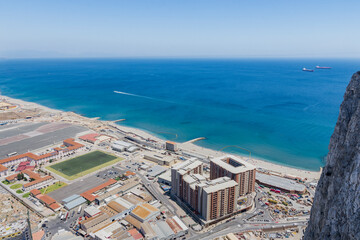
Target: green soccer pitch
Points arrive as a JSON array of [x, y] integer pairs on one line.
[[83, 165]]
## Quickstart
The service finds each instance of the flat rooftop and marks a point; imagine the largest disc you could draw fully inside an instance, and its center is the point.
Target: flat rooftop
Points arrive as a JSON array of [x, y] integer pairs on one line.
[[194, 178], [144, 210], [279, 182], [187, 165], [166, 176], [158, 156], [219, 184], [233, 164], [156, 170]]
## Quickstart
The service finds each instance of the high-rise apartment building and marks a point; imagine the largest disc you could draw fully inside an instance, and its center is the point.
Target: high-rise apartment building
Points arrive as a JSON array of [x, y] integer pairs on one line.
[[211, 199], [178, 171], [236, 169]]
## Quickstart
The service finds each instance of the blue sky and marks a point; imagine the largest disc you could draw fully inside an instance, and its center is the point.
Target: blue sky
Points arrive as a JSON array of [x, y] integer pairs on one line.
[[187, 28]]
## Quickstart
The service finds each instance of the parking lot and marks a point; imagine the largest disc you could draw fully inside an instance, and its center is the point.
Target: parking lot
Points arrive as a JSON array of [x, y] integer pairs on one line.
[[85, 184]]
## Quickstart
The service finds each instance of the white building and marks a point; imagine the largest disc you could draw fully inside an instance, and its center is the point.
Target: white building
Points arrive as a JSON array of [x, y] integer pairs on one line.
[[124, 146]]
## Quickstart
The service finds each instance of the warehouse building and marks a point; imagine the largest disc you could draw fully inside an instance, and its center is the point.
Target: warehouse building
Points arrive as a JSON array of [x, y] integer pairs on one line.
[[121, 146], [144, 212], [155, 171], [73, 201], [165, 178], [159, 158], [284, 184]]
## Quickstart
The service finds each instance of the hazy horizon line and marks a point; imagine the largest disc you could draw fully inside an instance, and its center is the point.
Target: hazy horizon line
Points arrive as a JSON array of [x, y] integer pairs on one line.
[[175, 58]]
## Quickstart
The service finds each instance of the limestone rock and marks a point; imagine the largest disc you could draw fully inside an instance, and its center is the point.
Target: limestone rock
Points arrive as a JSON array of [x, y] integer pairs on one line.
[[336, 210]]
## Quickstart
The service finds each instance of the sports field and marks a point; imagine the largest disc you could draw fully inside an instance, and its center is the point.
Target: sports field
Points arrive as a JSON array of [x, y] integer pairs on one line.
[[82, 165]]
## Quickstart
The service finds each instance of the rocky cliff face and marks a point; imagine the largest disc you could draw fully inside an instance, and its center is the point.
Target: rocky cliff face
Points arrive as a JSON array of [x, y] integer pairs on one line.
[[336, 210]]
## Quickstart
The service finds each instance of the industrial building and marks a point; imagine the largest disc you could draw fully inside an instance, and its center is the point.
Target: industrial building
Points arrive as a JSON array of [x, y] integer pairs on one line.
[[144, 212], [113, 230], [91, 211], [155, 171], [159, 158], [236, 169], [286, 185], [165, 178], [112, 193], [95, 138], [91, 194], [122, 146], [73, 201]]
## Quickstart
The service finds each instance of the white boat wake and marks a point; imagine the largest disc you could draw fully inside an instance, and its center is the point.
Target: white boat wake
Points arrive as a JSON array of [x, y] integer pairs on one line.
[[135, 95], [141, 96]]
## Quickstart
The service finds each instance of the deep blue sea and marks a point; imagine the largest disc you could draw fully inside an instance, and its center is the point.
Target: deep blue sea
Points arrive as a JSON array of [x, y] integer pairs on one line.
[[270, 107]]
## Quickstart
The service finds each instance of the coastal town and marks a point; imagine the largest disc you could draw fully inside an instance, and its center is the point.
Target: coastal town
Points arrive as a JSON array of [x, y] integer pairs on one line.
[[66, 176]]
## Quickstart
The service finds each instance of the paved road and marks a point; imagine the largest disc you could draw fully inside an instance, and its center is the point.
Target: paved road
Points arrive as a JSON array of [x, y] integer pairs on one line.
[[55, 224]]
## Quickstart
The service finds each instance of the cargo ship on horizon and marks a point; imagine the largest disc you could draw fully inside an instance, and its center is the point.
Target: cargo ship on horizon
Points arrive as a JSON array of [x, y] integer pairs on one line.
[[318, 67]]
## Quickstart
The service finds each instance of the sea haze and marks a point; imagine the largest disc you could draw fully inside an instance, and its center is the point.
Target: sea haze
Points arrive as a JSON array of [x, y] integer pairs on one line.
[[270, 107]]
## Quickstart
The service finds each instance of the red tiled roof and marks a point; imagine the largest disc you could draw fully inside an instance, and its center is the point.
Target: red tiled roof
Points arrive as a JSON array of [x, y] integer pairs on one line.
[[135, 234], [23, 165], [11, 177], [128, 173], [46, 199], [37, 181], [88, 194], [90, 137], [24, 155], [74, 145], [5, 160], [30, 168], [3, 168], [38, 235], [35, 192], [28, 172], [54, 206], [70, 141], [31, 174], [173, 225], [47, 155]]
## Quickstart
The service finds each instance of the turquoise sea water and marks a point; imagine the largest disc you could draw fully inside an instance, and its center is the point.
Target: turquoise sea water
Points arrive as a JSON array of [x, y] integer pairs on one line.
[[270, 107]]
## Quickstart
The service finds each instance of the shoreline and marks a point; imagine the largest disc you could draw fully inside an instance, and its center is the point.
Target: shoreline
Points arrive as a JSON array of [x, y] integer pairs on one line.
[[187, 146]]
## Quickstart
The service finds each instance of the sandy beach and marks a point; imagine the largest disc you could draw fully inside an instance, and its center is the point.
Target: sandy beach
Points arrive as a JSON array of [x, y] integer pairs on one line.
[[94, 124], [191, 147]]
